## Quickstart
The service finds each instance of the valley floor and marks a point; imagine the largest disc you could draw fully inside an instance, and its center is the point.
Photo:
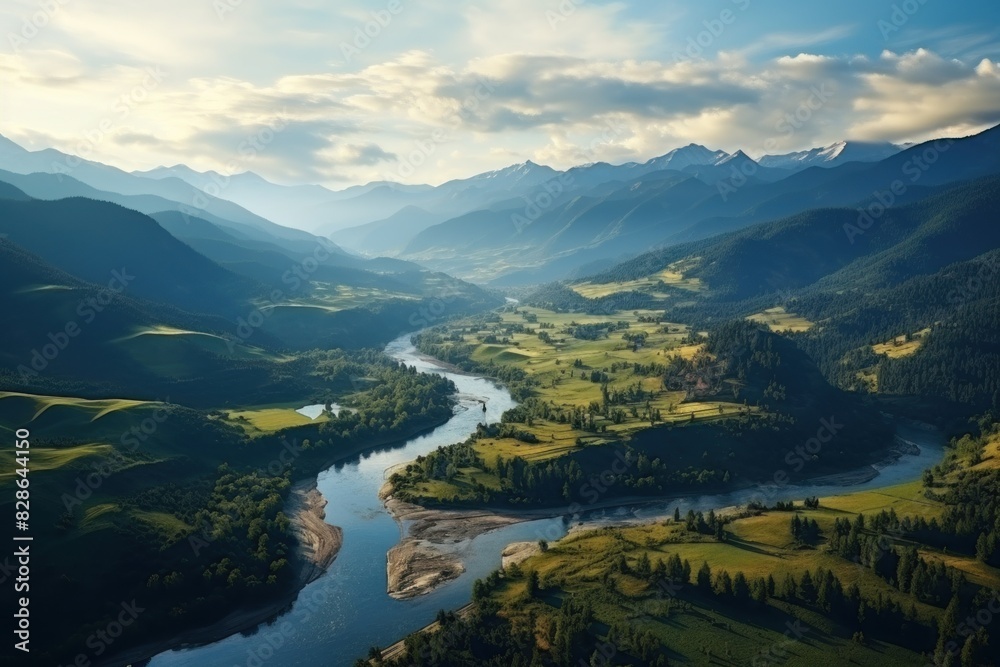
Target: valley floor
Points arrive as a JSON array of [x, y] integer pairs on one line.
[[427, 556], [603, 567]]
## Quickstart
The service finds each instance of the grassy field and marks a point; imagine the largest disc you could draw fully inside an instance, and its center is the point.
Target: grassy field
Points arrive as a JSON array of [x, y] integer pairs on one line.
[[181, 354], [697, 628], [662, 285], [560, 381], [335, 298], [29, 409], [779, 320], [901, 346], [269, 419], [896, 348], [163, 330], [562, 369], [47, 458]]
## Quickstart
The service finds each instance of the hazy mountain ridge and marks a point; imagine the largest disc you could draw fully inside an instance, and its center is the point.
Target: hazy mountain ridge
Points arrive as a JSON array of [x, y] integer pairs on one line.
[[667, 207], [193, 286]]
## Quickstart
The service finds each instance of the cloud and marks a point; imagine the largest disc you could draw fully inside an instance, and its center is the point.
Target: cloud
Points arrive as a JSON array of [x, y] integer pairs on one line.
[[140, 139], [919, 95], [783, 41], [514, 85], [49, 68], [590, 30], [294, 148], [362, 154]]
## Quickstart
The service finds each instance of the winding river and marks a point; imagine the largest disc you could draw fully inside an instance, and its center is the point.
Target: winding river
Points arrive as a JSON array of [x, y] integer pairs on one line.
[[338, 617]]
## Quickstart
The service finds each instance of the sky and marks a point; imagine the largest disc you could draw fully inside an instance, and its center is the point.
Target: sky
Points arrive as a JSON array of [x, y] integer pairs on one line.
[[423, 91]]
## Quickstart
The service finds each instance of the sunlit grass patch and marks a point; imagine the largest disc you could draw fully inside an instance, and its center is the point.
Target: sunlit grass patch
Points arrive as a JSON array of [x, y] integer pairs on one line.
[[901, 346], [779, 320], [50, 458], [657, 285], [94, 408], [270, 419]]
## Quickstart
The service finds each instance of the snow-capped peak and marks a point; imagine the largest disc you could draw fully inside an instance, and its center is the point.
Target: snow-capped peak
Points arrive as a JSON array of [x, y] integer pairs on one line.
[[736, 158], [687, 156], [832, 155]]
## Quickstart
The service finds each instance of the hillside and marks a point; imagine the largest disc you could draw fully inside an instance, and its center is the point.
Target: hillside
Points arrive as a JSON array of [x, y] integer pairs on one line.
[[567, 222], [888, 577], [923, 271], [693, 415], [45, 186], [153, 264], [799, 251]]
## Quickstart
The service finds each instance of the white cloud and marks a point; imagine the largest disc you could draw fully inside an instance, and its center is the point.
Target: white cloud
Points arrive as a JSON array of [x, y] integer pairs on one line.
[[498, 83]]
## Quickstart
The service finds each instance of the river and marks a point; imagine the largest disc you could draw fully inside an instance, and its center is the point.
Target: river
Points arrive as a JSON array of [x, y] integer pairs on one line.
[[338, 617]]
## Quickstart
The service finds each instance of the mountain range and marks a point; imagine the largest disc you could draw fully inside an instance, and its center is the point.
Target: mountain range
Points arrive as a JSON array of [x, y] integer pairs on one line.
[[380, 217]]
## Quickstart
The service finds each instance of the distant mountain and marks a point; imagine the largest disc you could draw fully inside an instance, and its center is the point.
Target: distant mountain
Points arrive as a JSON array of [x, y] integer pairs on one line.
[[690, 155], [491, 190], [205, 276], [184, 195], [526, 174], [320, 209], [237, 186], [47, 186], [8, 191], [588, 224], [833, 155], [274, 266], [680, 159], [134, 251], [738, 167], [280, 203], [390, 235], [530, 220], [820, 247]]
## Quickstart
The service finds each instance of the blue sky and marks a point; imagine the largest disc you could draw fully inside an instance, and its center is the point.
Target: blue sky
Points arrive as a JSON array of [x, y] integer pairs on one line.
[[440, 90]]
